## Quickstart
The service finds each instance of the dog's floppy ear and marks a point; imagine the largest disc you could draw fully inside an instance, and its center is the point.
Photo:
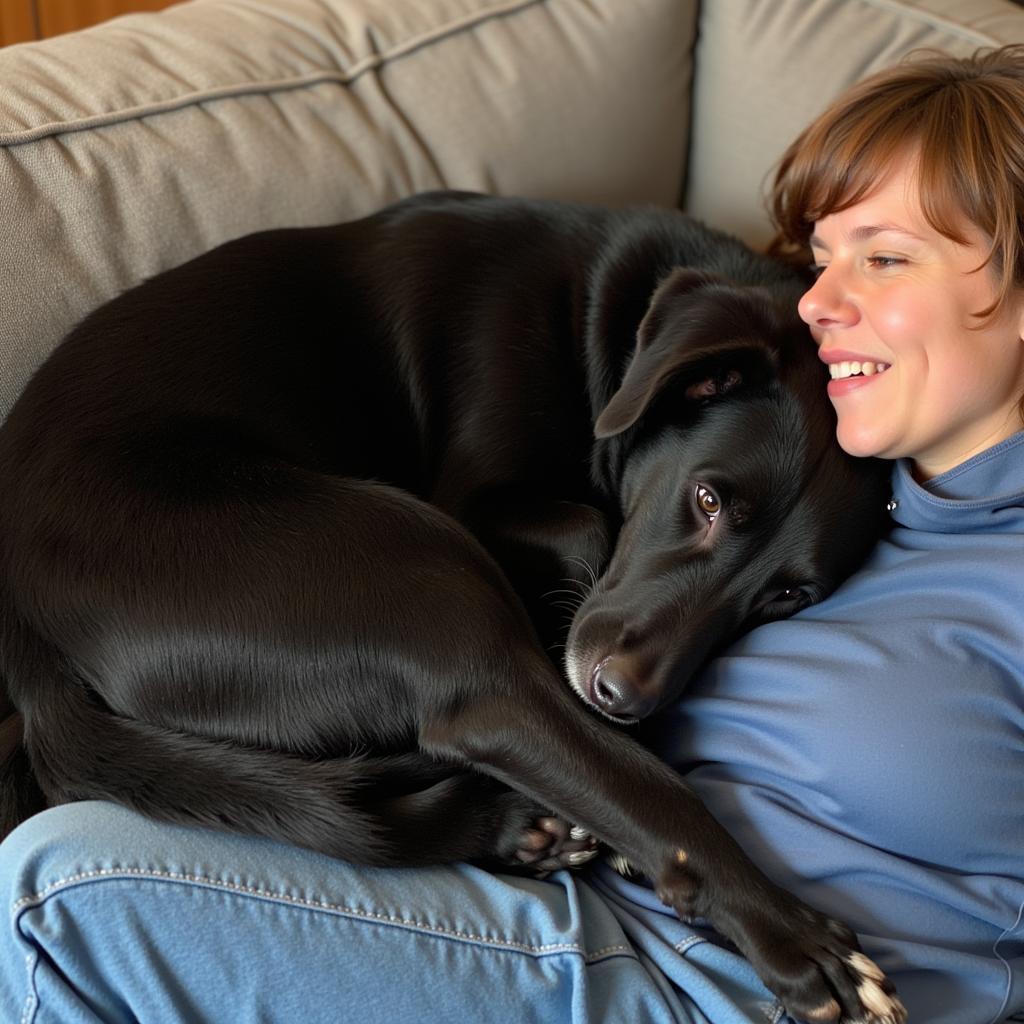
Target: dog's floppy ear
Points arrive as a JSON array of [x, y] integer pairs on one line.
[[700, 331]]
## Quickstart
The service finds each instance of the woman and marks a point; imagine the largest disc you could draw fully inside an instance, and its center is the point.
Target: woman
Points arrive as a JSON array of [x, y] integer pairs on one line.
[[866, 753]]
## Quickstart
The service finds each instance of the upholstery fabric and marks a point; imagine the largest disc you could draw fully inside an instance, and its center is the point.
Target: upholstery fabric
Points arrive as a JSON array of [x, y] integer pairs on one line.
[[130, 147], [763, 70]]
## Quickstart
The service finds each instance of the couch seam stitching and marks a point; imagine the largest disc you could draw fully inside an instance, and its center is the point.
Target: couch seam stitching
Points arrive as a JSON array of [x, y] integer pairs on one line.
[[965, 32], [345, 77]]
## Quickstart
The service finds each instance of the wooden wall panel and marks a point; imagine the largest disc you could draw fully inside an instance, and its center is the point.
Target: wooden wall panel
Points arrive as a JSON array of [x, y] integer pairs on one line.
[[56, 16], [17, 21]]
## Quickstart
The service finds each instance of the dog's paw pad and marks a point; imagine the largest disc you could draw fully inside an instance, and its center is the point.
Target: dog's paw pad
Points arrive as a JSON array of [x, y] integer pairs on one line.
[[550, 843]]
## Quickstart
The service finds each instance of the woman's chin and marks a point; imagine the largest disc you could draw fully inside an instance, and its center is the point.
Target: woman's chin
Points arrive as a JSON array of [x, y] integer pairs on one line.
[[861, 441]]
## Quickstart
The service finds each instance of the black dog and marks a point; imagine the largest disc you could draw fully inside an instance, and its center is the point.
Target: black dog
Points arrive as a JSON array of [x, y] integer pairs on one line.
[[271, 523]]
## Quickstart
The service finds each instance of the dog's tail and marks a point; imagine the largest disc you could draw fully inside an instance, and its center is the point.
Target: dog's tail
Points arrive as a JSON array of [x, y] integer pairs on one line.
[[82, 750], [20, 795]]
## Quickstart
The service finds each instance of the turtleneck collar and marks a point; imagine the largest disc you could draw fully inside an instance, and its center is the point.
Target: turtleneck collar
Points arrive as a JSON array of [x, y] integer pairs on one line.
[[985, 493]]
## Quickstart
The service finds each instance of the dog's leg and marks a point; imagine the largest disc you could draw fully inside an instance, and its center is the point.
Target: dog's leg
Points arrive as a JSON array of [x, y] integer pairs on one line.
[[395, 810], [230, 681], [643, 809]]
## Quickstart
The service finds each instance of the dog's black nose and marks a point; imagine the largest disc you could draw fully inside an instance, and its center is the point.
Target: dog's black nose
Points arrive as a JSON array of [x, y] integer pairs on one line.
[[616, 690]]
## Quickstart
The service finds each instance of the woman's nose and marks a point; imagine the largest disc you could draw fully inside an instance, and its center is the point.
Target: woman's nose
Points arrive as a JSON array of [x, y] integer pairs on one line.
[[826, 303]]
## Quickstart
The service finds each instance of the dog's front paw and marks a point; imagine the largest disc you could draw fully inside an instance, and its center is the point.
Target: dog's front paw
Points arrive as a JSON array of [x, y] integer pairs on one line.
[[811, 962], [821, 976]]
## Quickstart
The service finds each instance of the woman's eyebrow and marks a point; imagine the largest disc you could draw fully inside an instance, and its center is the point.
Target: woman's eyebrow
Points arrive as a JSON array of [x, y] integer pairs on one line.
[[863, 232]]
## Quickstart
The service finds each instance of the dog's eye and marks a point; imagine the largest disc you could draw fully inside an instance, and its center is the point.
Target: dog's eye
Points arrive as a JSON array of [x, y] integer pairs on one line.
[[707, 501], [788, 601]]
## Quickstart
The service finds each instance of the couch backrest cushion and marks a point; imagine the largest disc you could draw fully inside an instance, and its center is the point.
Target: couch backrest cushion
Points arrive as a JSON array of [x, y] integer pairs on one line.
[[130, 147], [765, 68]]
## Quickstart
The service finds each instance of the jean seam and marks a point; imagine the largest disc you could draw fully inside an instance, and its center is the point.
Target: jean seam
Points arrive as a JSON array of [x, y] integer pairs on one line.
[[688, 943], [100, 874], [31, 1003]]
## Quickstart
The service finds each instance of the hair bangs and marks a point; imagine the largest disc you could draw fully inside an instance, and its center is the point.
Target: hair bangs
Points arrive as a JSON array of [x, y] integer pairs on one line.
[[838, 161], [961, 120]]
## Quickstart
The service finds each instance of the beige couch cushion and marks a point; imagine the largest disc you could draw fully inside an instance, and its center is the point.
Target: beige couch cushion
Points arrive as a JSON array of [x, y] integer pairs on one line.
[[128, 148], [764, 68]]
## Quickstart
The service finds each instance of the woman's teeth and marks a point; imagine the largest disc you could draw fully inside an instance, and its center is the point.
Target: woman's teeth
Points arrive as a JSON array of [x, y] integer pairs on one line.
[[855, 369]]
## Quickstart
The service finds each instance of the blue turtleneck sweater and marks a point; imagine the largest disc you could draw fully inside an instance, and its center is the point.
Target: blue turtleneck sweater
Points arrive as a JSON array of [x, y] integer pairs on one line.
[[869, 752]]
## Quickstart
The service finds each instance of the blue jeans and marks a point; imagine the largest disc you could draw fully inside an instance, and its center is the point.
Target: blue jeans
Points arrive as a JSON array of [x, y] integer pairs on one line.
[[114, 918]]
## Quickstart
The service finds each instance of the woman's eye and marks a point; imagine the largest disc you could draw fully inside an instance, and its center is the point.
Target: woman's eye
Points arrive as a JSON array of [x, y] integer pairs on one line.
[[817, 269], [882, 262], [707, 501]]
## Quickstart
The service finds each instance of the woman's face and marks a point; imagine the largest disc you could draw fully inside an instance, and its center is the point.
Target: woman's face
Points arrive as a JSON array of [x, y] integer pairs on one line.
[[896, 296]]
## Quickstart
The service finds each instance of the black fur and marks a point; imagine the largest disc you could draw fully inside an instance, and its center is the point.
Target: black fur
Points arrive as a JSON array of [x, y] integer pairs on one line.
[[280, 530]]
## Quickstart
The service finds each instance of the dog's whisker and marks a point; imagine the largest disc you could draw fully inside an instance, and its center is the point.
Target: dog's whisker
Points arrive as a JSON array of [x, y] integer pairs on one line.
[[580, 560], [578, 589]]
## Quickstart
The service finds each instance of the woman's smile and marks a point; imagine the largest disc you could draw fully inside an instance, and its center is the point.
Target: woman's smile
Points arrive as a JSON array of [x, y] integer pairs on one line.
[[849, 372]]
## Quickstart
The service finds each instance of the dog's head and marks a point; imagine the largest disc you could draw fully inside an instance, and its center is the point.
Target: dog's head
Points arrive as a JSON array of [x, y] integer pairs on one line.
[[738, 506]]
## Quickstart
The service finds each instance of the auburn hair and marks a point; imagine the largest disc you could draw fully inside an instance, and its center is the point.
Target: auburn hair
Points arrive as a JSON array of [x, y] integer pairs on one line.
[[963, 120]]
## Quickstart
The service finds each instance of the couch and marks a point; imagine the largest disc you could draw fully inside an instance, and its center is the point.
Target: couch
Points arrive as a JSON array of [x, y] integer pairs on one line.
[[131, 146]]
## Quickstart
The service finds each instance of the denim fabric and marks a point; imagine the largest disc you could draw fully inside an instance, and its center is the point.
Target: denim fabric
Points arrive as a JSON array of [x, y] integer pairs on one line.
[[114, 918]]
